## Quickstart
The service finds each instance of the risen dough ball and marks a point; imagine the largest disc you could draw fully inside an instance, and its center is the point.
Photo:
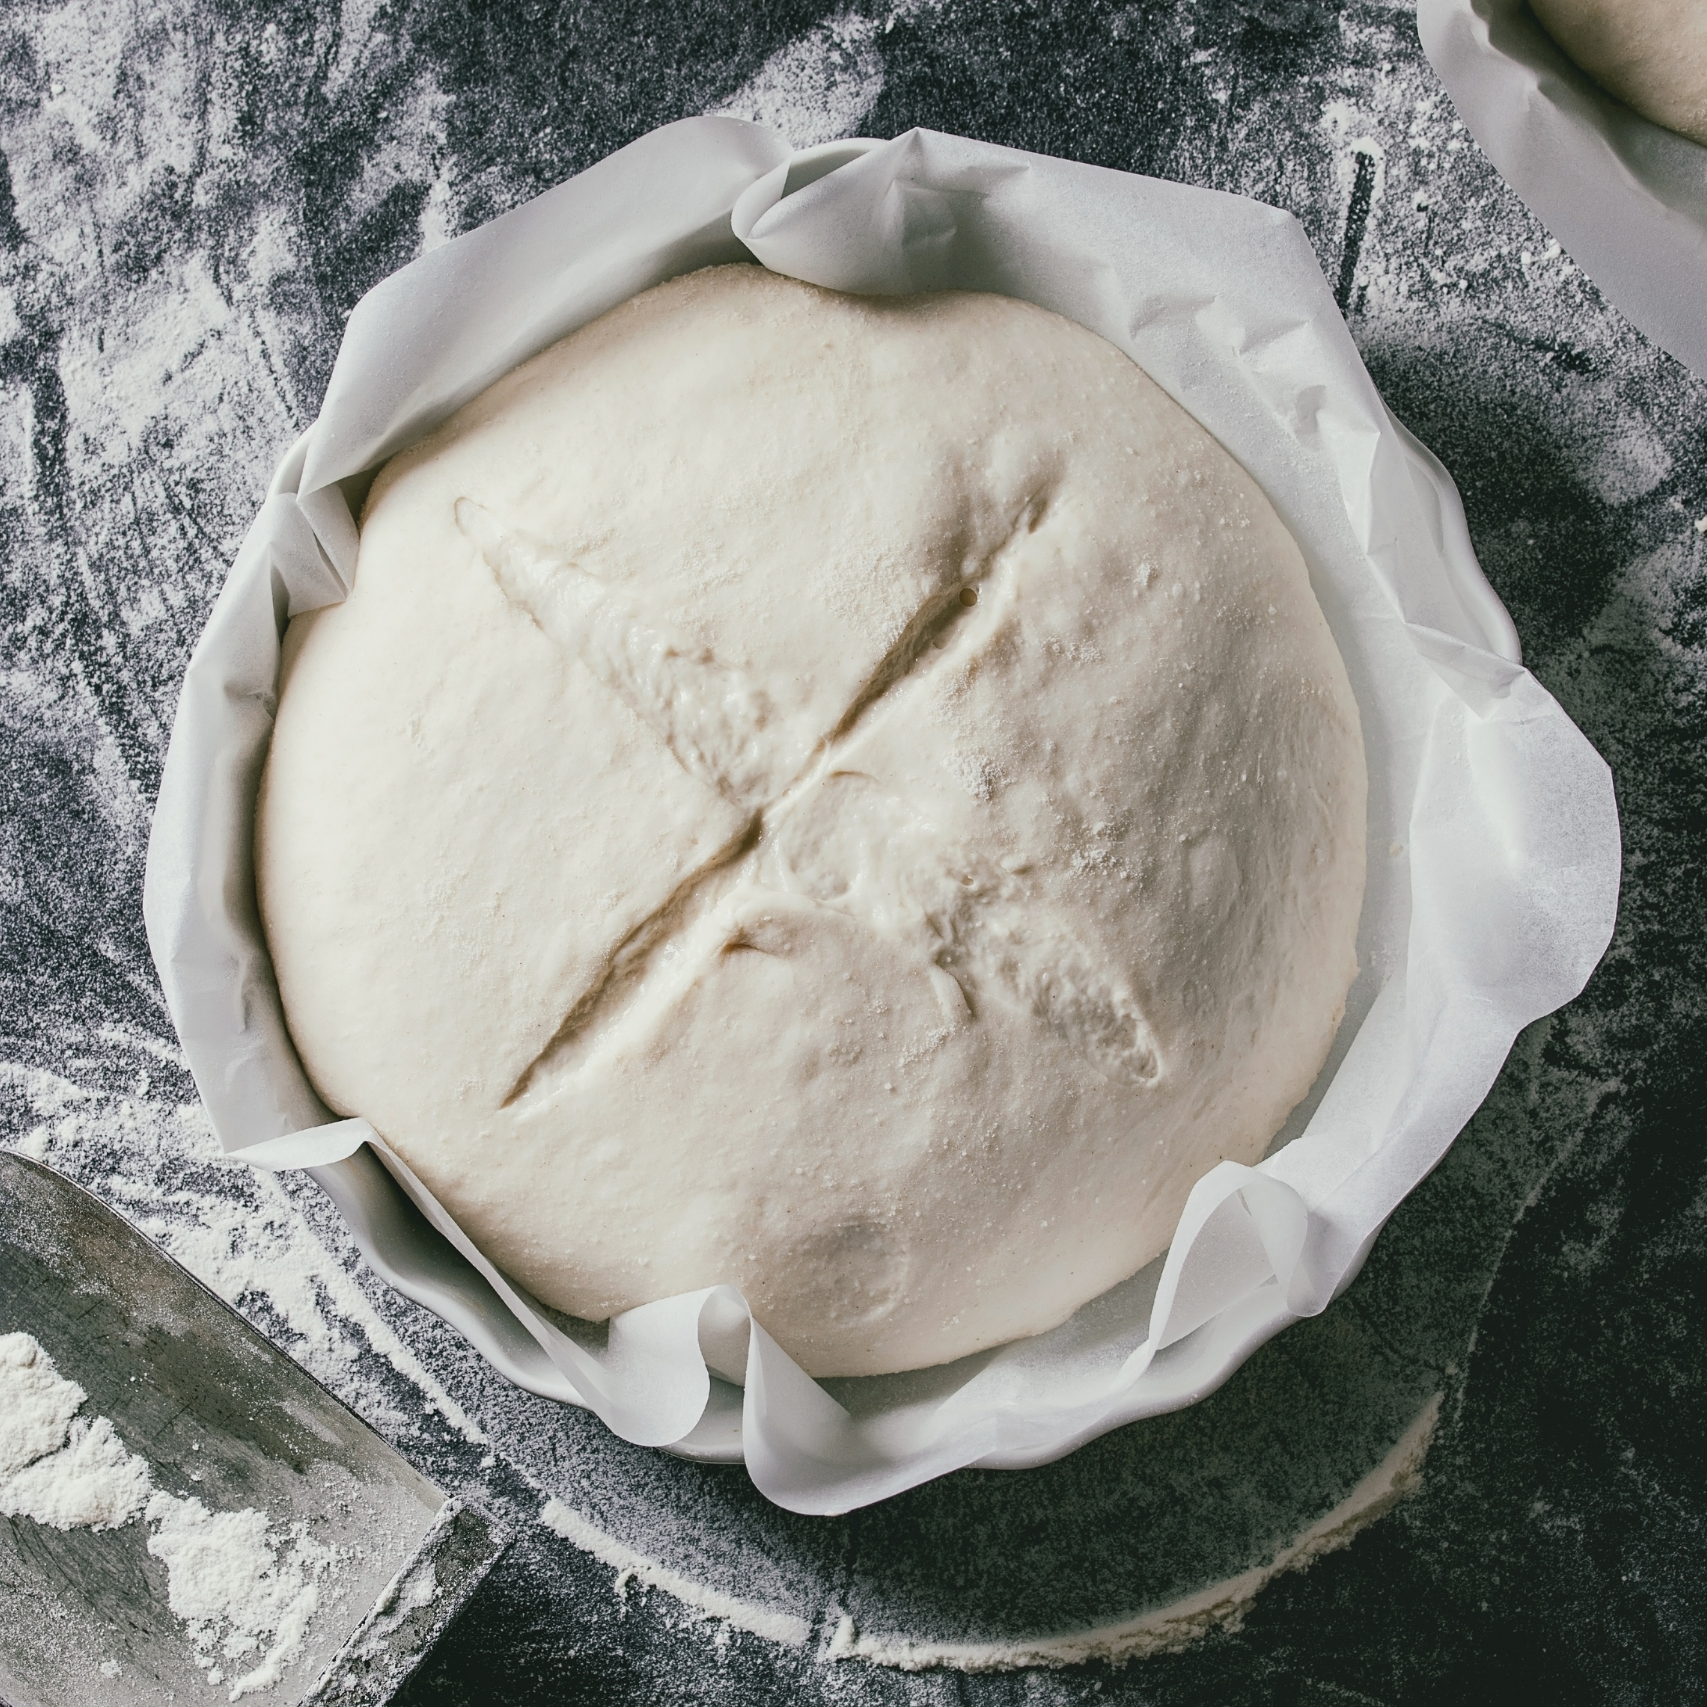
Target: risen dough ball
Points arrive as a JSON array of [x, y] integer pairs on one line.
[[846, 796], [1651, 54]]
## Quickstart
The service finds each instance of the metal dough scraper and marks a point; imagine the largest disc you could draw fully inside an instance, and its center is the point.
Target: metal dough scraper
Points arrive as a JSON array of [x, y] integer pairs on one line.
[[221, 1415]]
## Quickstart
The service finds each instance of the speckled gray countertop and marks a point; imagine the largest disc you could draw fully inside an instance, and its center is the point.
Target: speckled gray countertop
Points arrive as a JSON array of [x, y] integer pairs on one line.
[[1480, 1476]]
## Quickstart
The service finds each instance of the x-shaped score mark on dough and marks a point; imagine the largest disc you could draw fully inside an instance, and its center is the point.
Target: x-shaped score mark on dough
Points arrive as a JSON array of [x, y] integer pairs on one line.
[[816, 830]]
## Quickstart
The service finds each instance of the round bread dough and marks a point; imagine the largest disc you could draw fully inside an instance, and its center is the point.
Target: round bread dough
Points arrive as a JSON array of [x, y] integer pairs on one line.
[[852, 797], [1651, 54]]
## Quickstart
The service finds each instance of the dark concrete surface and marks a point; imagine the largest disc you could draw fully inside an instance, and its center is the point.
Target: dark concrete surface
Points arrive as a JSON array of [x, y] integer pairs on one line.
[[194, 195]]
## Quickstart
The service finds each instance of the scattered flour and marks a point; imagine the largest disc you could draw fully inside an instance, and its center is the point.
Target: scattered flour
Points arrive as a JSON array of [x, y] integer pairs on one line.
[[232, 1227], [226, 1577], [92, 1482], [383, 1651], [233, 1589], [39, 1403], [818, 88], [419, 1588], [783, 1628], [1165, 1629]]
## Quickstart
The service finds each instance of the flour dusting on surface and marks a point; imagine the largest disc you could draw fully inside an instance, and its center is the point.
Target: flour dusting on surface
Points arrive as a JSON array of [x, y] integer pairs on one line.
[[784, 1628], [818, 88], [236, 1229]]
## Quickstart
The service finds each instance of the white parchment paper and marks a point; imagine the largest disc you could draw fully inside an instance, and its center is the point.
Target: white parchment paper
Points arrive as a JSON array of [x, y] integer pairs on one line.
[[1493, 862], [1626, 197]]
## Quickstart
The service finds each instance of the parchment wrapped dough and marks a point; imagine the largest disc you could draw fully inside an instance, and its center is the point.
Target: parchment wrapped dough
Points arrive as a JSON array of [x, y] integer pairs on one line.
[[1651, 54], [851, 797]]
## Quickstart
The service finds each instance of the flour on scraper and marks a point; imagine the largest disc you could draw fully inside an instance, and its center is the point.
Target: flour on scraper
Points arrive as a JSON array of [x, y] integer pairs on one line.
[[852, 797]]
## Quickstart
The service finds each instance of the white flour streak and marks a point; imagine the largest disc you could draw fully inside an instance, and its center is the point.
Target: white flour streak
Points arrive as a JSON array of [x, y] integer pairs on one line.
[[273, 1255], [1223, 1605], [173, 364], [116, 388], [783, 1628], [1618, 454], [126, 1037], [818, 88], [415, 129], [438, 212], [356, 37], [1659, 596]]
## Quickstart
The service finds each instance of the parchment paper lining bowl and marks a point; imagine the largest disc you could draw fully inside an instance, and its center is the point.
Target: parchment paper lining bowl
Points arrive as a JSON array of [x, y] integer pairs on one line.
[[1493, 836]]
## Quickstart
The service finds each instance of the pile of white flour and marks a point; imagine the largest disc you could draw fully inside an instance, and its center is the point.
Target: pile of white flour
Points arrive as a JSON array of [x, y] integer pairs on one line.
[[227, 1580]]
